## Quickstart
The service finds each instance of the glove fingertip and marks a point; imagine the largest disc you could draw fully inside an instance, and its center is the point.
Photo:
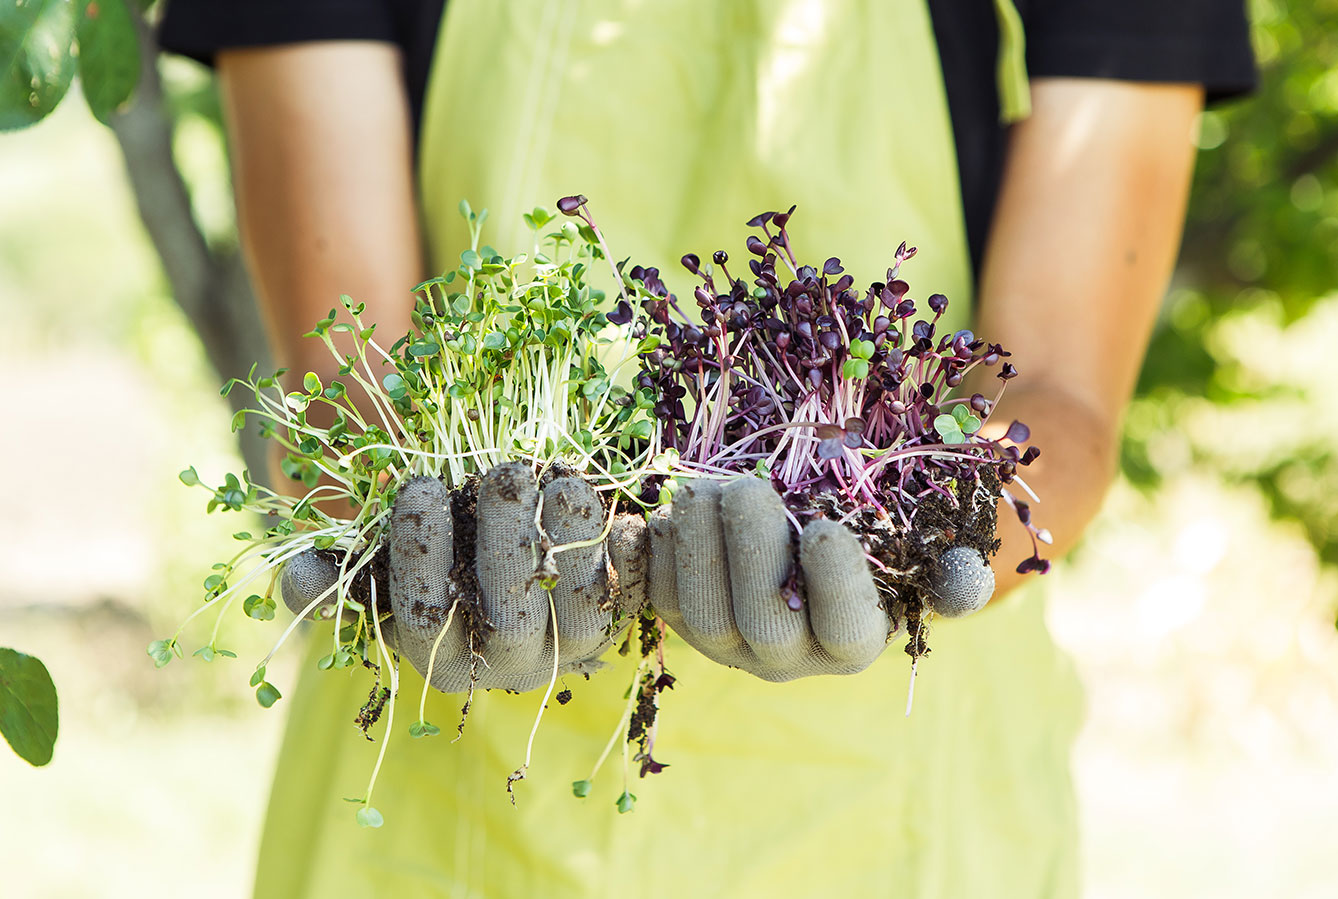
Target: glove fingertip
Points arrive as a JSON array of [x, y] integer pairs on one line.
[[847, 617], [962, 583], [305, 578]]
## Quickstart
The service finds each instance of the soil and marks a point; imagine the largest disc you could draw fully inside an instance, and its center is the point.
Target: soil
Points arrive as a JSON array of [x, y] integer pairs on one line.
[[909, 555], [464, 579]]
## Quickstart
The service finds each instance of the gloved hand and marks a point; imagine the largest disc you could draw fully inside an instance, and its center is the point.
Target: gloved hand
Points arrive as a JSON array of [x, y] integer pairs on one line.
[[503, 631], [721, 556]]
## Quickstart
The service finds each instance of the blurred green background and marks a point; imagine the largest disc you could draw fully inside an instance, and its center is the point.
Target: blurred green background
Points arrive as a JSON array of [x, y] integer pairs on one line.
[[1200, 609]]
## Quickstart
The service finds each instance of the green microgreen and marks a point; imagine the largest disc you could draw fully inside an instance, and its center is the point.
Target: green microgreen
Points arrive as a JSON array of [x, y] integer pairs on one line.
[[510, 358]]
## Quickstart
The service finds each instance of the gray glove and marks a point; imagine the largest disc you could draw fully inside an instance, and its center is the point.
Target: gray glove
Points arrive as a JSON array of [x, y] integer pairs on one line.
[[501, 634], [721, 557]]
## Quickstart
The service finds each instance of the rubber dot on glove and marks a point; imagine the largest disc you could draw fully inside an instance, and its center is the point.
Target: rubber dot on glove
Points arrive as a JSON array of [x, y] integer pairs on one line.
[[842, 599], [306, 577], [963, 582], [573, 514]]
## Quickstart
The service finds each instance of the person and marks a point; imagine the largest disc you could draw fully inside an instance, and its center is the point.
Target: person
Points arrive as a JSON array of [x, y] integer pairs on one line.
[[355, 129]]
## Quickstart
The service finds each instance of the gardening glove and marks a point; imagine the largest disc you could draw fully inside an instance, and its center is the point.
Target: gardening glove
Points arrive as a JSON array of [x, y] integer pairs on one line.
[[501, 635], [721, 555]]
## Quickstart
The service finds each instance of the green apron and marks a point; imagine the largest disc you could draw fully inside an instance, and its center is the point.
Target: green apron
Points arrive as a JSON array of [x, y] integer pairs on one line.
[[680, 119]]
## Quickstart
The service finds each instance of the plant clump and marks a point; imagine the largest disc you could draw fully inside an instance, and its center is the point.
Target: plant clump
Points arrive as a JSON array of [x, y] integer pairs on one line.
[[510, 359], [842, 397]]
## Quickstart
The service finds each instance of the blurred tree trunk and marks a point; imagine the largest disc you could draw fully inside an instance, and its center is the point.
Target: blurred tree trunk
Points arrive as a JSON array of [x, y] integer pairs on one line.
[[210, 285]]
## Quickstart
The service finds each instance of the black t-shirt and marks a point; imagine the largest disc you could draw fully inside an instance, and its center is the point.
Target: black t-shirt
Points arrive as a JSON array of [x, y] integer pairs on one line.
[[1193, 41]]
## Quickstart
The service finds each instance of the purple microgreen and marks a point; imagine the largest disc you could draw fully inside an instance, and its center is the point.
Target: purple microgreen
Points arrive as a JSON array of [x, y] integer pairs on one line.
[[571, 205], [823, 388], [1018, 432]]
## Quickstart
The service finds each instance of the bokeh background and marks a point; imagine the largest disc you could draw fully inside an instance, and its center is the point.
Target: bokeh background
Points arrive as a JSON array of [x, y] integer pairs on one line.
[[1200, 609]]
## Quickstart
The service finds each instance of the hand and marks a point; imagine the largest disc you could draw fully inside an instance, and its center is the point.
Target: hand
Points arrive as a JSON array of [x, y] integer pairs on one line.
[[500, 632], [721, 562]]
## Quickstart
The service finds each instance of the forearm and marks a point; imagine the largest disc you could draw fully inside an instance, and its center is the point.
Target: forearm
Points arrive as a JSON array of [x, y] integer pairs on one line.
[[322, 167], [1083, 243], [1079, 451], [323, 174]]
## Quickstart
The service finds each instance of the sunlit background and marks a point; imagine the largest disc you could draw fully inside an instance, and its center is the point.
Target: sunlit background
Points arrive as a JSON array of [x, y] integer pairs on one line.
[[1200, 609]]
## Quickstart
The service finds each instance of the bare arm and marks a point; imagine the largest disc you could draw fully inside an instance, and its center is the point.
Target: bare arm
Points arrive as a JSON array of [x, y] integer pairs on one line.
[[1082, 245], [323, 171]]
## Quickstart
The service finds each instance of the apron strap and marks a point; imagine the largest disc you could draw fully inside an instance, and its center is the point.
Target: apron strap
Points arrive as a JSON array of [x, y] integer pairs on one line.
[[1011, 73]]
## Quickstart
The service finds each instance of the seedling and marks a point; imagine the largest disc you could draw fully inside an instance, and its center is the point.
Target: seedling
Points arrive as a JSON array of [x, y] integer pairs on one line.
[[842, 398], [510, 359], [831, 393]]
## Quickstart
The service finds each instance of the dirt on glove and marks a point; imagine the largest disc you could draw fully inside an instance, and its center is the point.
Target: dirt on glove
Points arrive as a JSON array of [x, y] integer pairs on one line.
[[910, 555]]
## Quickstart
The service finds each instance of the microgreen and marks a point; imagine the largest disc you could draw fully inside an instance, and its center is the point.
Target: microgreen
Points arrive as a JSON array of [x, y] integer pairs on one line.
[[510, 358], [837, 394]]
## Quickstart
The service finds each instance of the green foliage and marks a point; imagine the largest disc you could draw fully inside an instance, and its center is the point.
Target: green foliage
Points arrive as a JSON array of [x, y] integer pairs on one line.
[[261, 608], [108, 56], [955, 428], [1261, 245], [161, 651], [267, 694], [423, 729], [29, 718], [36, 57], [43, 42]]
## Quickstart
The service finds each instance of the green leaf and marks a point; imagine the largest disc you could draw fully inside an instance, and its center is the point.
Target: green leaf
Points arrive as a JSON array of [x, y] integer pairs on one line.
[[108, 57], [369, 817], [267, 694], [581, 788], [948, 429], [855, 369], [36, 59], [258, 676], [494, 340], [626, 802], [190, 477], [961, 413], [394, 386], [471, 260], [423, 729], [971, 425], [424, 348], [161, 652], [28, 710], [238, 420], [311, 383], [206, 653], [261, 608], [593, 388]]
